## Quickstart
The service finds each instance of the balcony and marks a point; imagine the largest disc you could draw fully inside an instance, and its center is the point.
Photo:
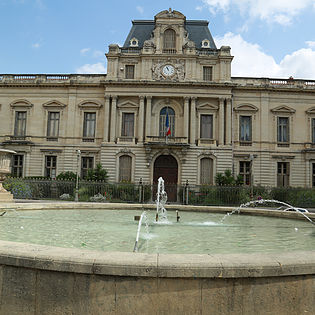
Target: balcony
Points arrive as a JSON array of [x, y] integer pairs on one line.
[[126, 140], [17, 140], [206, 142], [166, 141]]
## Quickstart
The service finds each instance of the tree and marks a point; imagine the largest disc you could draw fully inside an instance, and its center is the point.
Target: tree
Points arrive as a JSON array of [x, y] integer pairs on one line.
[[97, 174], [227, 179]]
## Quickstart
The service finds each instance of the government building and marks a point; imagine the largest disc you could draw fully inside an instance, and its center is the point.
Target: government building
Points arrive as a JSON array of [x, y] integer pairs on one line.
[[168, 107]]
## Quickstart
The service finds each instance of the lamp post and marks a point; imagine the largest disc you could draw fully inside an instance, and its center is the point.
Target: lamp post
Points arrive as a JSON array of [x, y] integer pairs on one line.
[[251, 157], [76, 198]]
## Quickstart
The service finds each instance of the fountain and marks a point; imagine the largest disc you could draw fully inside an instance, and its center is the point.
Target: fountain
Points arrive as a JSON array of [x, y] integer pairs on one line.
[[161, 198], [41, 279], [261, 201], [5, 160]]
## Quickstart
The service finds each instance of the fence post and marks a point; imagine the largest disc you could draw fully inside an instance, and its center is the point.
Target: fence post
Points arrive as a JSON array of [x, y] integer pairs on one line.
[[140, 191], [187, 192]]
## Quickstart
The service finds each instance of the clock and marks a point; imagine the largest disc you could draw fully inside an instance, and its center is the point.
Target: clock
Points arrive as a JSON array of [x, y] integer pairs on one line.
[[168, 70]]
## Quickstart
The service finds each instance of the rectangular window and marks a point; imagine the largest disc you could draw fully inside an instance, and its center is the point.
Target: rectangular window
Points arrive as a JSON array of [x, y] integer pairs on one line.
[[20, 124], [53, 124], [17, 165], [127, 125], [283, 174], [206, 126], [245, 129], [206, 171], [313, 130], [87, 163], [245, 172], [313, 177], [50, 166], [207, 73], [129, 72], [125, 168], [283, 130], [89, 125]]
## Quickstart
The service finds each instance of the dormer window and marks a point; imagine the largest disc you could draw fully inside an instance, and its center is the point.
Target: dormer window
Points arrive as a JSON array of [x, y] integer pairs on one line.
[[134, 42], [169, 45], [205, 43]]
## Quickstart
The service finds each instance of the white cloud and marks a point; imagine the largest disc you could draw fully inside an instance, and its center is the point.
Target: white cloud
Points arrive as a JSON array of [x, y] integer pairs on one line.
[[140, 9], [91, 68], [310, 43], [279, 11], [84, 51], [36, 45], [250, 60]]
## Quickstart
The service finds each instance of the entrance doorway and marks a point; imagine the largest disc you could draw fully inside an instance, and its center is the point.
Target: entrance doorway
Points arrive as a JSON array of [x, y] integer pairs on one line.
[[165, 166]]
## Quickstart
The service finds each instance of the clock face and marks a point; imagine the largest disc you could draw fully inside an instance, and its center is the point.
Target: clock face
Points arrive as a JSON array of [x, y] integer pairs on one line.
[[168, 70]]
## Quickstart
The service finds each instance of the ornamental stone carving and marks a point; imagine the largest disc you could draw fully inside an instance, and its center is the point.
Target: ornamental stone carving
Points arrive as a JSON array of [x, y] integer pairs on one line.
[[179, 73]]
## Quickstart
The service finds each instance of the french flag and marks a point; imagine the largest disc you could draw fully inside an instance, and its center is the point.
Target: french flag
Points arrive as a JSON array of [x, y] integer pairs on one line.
[[167, 125]]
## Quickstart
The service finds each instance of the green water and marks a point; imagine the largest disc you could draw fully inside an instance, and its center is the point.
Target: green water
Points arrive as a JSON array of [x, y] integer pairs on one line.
[[196, 233]]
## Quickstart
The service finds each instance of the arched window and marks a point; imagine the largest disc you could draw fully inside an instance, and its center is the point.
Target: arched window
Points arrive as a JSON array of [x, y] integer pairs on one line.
[[169, 41], [125, 168], [167, 111], [206, 171]]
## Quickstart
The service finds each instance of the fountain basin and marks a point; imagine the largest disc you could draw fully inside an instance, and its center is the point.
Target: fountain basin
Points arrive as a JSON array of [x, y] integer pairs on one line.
[[38, 279]]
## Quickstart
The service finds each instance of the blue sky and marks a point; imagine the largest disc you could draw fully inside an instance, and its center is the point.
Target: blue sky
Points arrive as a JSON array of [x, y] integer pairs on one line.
[[269, 38]]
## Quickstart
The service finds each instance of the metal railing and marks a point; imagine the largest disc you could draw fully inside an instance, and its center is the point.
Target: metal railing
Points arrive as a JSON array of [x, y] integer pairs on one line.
[[26, 188]]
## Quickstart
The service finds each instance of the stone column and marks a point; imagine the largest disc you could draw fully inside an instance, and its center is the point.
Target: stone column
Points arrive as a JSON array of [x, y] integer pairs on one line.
[[140, 119], [106, 118], [221, 121], [193, 121], [113, 120], [228, 126], [148, 117], [186, 117]]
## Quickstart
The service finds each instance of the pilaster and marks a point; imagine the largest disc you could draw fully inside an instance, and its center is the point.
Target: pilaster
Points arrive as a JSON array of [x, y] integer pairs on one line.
[[221, 121], [140, 119], [113, 119], [186, 116], [228, 126], [106, 118], [193, 121], [148, 116]]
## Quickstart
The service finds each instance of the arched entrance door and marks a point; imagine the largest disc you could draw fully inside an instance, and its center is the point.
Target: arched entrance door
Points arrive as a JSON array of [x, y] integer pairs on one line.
[[165, 166]]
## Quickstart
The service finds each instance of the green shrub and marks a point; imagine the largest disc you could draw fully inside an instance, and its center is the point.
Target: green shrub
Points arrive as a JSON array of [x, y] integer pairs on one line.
[[18, 188], [70, 176], [97, 174]]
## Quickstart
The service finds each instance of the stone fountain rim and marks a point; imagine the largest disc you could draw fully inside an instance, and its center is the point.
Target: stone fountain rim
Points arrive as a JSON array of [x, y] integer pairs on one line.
[[131, 264]]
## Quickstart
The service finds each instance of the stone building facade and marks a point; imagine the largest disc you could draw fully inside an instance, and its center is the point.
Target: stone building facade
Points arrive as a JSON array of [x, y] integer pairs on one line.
[[169, 72]]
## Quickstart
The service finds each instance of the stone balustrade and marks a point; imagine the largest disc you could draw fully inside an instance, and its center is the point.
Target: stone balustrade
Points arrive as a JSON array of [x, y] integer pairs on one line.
[[279, 83]]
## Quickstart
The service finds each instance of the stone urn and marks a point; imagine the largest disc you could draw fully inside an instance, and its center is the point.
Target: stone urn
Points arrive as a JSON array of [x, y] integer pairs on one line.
[[5, 161]]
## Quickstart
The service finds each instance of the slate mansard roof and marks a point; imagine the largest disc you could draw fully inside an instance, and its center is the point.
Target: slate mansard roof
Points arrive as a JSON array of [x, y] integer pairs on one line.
[[197, 32]]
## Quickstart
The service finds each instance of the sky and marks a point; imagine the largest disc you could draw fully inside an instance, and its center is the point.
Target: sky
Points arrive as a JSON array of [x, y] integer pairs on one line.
[[268, 38]]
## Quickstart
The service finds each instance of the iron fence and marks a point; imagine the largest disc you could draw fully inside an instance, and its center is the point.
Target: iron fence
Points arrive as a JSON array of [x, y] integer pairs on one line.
[[25, 188]]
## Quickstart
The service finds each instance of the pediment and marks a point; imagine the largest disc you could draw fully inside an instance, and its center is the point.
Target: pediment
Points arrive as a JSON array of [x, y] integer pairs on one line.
[[54, 104], [90, 104], [283, 110], [310, 111], [207, 106], [246, 108], [21, 103], [170, 14], [128, 104]]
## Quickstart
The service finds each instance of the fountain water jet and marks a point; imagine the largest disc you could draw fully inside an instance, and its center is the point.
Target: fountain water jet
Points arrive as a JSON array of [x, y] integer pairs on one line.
[[161, 198], [264, 201]]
